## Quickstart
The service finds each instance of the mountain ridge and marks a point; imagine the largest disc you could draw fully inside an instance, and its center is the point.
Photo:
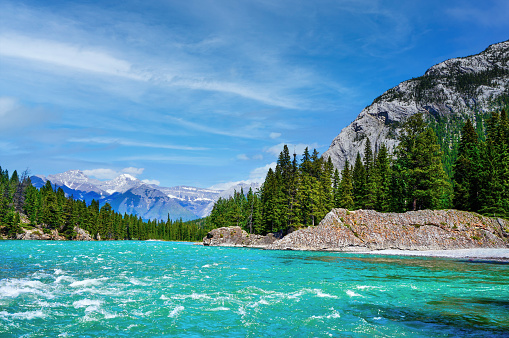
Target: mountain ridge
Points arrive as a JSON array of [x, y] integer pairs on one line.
[[127, 194], [455, 87]]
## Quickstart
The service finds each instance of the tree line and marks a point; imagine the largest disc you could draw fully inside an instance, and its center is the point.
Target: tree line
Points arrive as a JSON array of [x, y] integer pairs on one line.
[[300, 193], [23, 205]]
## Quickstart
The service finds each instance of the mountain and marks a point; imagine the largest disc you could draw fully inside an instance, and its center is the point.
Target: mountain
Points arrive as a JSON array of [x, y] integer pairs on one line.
[[147, 203], [121, 183], [196, 200], [127, 194], [454, 89]]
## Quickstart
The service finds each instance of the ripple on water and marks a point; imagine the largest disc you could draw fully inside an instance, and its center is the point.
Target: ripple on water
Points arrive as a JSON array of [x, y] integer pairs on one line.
[[12, 288], [176, 311]]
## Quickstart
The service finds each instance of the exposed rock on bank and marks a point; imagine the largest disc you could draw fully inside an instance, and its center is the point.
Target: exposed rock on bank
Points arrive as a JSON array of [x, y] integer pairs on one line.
[[38, 233], [235, 236], [362, 230], [366, 230], [82, 235]]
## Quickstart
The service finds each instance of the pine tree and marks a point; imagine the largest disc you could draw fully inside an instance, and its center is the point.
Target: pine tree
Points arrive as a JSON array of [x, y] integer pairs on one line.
[[420, 167], [359, 183], [336, 190], [369, 198], [465, 178], [346, 188], [382, 177], [494, 173]]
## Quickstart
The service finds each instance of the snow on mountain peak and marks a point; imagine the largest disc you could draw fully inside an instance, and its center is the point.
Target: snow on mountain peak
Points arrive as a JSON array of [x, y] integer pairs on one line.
[[121, 184]]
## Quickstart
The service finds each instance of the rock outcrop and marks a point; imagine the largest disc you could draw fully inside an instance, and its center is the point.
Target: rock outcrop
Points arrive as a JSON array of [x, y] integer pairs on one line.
[[38, 233], [366, 230], [82, 235], [456, 87], [235, 236]]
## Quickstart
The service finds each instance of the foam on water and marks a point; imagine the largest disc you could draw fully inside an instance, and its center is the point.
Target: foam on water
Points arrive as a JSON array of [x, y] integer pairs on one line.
[[29, 315], [87, 282], [12, 288], [352, 293], [246, 293], [86, 303], [176, 311]]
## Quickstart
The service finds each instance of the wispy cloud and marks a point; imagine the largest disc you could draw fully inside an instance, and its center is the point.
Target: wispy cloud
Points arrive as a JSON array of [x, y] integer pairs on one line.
[[199, 160], [129, 143], [297, 148], [210, 129], [257, 175], [66, 55], [96, 60], [109, 174], [155, 182]]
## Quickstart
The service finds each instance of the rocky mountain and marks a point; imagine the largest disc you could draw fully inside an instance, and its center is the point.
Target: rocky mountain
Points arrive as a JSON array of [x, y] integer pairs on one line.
[[127, 194], [458, 87]]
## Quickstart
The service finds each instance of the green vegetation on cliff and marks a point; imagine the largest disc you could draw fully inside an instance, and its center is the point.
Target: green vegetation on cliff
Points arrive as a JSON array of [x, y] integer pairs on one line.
[[415, 178]]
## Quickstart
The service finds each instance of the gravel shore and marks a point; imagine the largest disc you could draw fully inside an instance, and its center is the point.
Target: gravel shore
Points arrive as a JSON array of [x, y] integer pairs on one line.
[[496, 254]]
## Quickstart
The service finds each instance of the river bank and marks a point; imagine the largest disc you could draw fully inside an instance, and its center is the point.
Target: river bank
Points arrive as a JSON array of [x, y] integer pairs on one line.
[[439, 233]]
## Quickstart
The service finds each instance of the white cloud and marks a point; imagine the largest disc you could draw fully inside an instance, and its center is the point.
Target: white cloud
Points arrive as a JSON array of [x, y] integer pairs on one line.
[[7, 104], [15, 115], [129, 143], [274, 135], [257, 175], [66, 55], [209, 129], [253, 93], [155, 182], [109, 174], [133, 171], [102, 173], [297, 148], [242, 157], [97, 60], [258, 157]]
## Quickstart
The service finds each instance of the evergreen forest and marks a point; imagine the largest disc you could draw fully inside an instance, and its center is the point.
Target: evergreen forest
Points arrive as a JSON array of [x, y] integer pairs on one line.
[[300, 192], [23, 205]]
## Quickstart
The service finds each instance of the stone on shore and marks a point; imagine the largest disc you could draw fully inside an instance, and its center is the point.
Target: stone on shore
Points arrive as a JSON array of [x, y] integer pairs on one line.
[[365, 230], [235, 236]]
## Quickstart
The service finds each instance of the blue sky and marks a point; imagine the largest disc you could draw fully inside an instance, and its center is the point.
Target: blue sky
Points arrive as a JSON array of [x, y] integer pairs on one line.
[[204, 93]]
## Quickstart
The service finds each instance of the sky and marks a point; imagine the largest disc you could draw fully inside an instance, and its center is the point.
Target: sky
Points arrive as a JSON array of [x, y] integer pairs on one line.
[[206, 93]]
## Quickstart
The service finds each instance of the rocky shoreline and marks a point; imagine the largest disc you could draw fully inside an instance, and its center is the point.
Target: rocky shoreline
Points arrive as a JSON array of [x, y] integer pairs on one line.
[[370, 231]]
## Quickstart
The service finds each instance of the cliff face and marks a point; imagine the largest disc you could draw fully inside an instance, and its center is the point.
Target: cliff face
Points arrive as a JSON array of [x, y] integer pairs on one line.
[[362, 230], [454, 87], [366, 230]]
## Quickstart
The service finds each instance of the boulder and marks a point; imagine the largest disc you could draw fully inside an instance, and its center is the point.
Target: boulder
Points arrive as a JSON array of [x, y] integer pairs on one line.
[[366, 230], [235, 236]]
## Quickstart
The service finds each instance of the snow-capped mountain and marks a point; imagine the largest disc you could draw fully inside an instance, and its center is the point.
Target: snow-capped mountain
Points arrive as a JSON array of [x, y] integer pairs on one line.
[[121, 184], [126, 193]]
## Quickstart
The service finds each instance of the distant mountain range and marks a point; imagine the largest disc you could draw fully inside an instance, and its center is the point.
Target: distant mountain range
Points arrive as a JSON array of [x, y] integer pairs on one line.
[[127, 194]]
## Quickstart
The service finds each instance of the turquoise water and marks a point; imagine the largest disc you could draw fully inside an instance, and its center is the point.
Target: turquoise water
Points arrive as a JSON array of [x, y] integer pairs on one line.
[[133, 289]]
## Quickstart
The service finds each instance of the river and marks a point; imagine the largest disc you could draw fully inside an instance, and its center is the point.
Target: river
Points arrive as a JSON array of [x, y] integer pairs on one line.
[[136, 289]]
